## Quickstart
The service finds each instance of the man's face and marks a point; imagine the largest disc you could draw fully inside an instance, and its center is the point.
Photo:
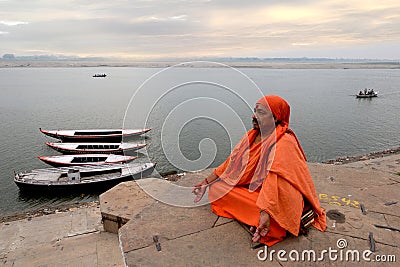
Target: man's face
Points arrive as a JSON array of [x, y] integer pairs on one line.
[[263, 119]]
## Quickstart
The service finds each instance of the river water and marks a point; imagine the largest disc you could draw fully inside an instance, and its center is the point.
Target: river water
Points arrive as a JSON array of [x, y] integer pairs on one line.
[[196, 114]]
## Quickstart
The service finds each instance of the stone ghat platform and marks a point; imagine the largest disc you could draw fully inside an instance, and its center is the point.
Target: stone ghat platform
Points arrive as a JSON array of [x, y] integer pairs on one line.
[[362, 200], [69, 238]]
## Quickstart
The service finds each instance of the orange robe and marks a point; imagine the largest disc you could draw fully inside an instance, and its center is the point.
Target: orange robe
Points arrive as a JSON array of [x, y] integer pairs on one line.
[[281, 194]]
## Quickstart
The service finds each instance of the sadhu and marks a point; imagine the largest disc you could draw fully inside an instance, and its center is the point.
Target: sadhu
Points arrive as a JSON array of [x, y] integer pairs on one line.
[[265, 182]]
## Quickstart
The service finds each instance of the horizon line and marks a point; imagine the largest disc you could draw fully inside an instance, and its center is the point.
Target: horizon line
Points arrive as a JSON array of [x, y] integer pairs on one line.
[[52, 57]]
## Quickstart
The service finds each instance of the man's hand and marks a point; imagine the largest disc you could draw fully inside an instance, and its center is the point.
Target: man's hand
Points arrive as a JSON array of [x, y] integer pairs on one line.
[[199, 189], [263, 226]]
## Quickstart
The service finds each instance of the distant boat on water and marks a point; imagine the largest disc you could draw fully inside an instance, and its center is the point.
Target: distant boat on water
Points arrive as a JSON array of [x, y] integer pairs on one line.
[[102, 75], [85, 159], [94, 135], [81, 177], [106, 148], [367, 93]]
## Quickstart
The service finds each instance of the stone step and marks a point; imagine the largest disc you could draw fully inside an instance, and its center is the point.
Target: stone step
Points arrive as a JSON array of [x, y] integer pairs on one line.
[[153, 233]]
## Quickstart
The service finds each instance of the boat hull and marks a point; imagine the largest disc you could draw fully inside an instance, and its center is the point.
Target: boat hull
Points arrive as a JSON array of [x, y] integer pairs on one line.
[[85, 159], [32, 188], [92, 148], [113, 135], [366, 96]]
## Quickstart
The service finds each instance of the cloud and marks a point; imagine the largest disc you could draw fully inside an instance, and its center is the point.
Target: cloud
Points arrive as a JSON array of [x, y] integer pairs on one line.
[[302, 44], [155, 18], [13, 23], [173, 28]]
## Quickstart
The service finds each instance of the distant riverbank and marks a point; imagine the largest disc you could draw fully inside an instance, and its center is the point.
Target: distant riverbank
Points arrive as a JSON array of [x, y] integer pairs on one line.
[[372, 155], [265, 65]]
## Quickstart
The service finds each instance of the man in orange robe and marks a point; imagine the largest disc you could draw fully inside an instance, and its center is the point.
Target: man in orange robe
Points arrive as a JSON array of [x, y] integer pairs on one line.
[[265, 182]]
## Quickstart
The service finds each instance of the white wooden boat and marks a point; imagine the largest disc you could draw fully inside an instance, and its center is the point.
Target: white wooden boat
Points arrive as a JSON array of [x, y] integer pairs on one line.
[[81, 177], [94, 135], [88, 148], [85, 159]]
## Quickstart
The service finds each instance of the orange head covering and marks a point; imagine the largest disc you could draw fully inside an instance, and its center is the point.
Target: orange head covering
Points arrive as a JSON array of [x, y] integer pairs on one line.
[[281, 111], [236, 165], [278, 106]]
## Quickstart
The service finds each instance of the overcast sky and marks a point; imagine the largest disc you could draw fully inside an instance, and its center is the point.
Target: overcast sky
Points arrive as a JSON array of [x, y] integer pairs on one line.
[[192, 28]]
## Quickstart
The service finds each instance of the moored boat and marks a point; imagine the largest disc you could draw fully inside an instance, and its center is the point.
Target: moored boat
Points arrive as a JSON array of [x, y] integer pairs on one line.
[[81, 177], [106, 148], [97, 75], [94, 135], [85, 159]]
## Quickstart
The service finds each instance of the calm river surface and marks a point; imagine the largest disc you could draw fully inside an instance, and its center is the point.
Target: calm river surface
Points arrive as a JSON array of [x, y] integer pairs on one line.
[[196, 114]]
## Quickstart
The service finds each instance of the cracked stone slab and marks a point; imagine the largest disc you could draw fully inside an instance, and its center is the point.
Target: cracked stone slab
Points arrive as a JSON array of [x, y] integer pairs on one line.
[[166, 222], [359, 226], [225, 245], [122, 202], [222, 220], [45, 241], [90, 250], [44, 229]]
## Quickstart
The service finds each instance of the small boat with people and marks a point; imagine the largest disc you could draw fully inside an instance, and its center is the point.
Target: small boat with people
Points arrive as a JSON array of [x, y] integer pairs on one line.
[[81, 177], [367, 93], [88, 148], [85, 159], [99, 75], [94, 135]]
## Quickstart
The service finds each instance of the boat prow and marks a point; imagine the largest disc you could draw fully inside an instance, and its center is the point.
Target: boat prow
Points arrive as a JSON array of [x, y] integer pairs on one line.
[[94, 135]]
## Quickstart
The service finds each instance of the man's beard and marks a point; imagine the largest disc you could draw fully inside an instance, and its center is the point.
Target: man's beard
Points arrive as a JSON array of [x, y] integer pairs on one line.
[[255, 124]]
